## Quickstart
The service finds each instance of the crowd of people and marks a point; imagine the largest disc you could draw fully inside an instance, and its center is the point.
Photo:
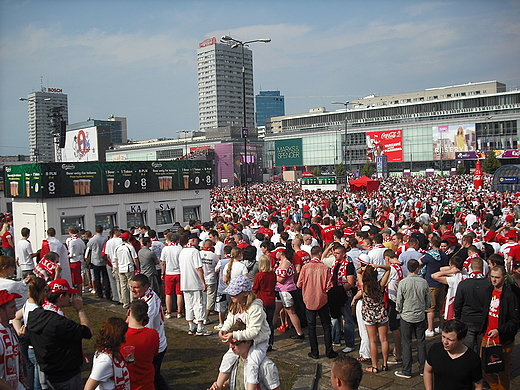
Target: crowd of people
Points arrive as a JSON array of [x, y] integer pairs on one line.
[[420, 256]]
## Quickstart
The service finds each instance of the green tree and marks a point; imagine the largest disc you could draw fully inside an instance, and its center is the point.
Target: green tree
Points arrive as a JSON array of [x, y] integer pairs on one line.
[[490, 164], [340, 170], [461, 168], [316, 171], [368, 170]]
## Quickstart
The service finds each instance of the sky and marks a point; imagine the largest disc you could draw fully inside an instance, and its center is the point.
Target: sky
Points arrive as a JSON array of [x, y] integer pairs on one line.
[[137, 59]]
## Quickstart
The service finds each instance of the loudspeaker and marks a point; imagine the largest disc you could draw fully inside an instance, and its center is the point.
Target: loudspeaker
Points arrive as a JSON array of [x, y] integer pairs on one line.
[[63, 130]]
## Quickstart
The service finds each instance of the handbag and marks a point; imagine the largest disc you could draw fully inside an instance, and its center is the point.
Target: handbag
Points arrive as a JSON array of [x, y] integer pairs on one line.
[[492, 358]]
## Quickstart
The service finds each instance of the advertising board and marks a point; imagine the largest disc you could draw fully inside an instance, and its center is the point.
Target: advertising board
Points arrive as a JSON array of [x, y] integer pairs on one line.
[[52, 180], [387, 143]]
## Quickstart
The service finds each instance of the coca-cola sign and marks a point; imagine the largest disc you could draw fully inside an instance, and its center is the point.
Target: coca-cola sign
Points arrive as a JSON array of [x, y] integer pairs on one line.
[[385, 143]]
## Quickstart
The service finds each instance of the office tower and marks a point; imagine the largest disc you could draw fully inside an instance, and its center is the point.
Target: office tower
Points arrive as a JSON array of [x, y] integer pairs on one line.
[[220, 85], [40, 107], [269, 104]]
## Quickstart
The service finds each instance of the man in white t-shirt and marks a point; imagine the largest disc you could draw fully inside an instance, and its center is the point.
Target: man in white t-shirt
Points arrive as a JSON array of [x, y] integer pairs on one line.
[[76, 248], [113, 274], [24, 253], [209, 261], [219, 245], [171, 274], [192, 286], [126, 261]]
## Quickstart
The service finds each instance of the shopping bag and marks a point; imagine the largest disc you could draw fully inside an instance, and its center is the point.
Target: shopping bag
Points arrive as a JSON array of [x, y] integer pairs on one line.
[[492, 358]]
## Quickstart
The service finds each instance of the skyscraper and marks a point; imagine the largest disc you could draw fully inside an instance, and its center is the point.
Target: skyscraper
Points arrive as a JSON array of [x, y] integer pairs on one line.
[[220, 85], [40, 105], [268, 105]]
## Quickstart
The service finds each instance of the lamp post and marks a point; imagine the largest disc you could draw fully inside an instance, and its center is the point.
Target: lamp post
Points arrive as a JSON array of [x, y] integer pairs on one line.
[[234, 43], [344, 150], [36, 150], [185, 139]]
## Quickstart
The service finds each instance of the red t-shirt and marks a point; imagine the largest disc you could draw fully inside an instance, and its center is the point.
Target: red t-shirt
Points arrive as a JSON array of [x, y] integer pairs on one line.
[[263, 287], [5, 242], [493, 313], [146, 343], [301, 258], [327, 233], [515, 253]]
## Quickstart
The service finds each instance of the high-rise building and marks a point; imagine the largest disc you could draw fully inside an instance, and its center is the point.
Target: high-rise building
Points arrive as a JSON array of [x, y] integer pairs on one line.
[[40, 106], [220, 85], [269, 104]]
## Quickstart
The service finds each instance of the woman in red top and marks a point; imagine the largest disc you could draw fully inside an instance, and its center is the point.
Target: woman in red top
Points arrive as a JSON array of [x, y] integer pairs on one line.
[[7, 240], [263, 287]]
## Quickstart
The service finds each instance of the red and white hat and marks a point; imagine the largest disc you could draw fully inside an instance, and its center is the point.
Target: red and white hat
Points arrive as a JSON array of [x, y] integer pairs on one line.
[[6, 297], [61, 286]]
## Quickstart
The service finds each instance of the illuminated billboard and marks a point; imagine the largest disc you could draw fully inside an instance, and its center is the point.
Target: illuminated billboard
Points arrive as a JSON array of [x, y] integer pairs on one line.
[[387, 143], [449, 141]]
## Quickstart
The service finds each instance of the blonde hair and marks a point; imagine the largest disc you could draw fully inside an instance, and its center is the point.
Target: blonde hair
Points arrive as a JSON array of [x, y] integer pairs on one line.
[[5, 226], [238, 307], [235, 255], [264, 264]]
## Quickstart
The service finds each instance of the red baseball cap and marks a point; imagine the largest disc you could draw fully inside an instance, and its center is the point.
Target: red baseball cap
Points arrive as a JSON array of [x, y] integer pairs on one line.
[[126, 236], [6, 297], [512, 234], [61, 286]]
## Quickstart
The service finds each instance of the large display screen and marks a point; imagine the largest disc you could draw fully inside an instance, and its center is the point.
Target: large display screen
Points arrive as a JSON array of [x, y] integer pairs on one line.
[[52, 180], [450, 141], [387, 143]]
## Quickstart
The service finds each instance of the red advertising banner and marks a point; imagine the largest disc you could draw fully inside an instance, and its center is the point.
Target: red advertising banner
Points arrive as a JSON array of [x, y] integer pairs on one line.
[[196, 149], [387, 143]]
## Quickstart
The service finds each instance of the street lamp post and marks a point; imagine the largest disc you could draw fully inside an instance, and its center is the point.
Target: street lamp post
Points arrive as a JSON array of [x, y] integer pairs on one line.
[[185, 139], [36, 150], [344, 149], [234, 43]]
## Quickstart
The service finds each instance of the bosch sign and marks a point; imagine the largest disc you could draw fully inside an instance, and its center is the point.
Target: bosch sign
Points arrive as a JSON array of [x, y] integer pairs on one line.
[[59, 90]]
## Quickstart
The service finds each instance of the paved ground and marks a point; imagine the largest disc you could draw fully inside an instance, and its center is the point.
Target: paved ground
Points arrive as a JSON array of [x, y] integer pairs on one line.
[[317, 372]]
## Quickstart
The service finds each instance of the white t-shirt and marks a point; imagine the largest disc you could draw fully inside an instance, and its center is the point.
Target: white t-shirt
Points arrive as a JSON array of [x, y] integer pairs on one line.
[[189, 261], [77, 249], [209, 262], [109, 372], [23, 252], [237, 268], [219, 249], [110, 248], [125, 255], [170, 255]]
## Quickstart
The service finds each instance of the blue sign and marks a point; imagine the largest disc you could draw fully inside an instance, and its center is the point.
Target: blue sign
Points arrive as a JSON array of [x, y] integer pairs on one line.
[[508, 180]]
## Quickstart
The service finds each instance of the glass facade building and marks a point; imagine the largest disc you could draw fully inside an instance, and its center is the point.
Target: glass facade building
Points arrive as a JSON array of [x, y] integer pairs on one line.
[[268, 104]]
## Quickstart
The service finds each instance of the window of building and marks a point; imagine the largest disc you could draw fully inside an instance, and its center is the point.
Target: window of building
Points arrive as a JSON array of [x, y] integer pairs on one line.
[[108, 221], [164, 217], [77, 221], [191, 212], [135, 219]]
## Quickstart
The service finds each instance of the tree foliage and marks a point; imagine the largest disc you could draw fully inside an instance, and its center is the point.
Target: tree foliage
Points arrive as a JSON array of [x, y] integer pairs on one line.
[[316, 171], [340, 170], [490, 164], [368, 170], [461, 168]]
